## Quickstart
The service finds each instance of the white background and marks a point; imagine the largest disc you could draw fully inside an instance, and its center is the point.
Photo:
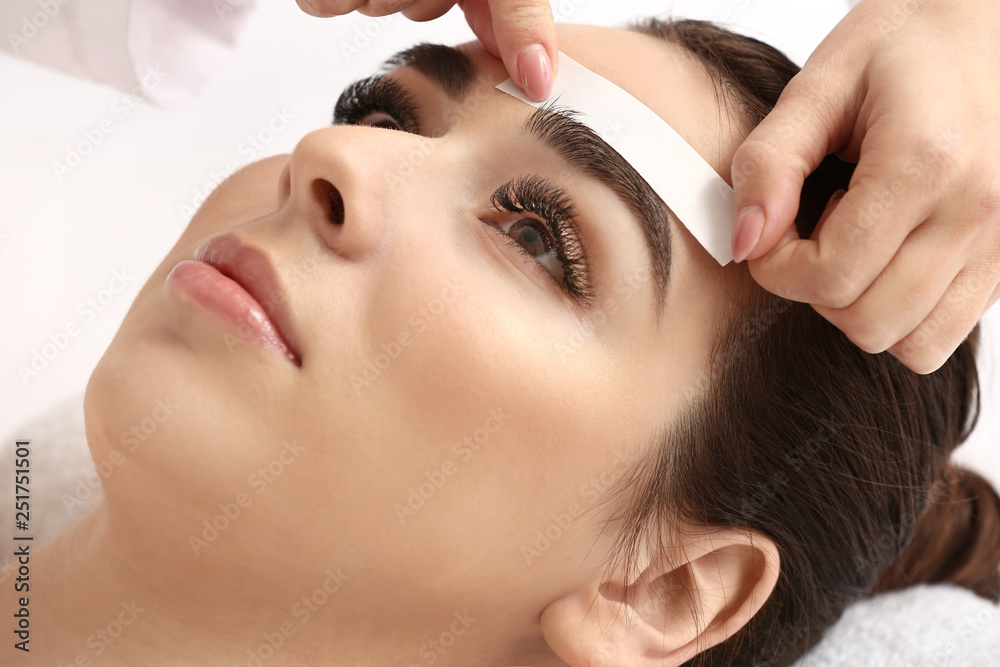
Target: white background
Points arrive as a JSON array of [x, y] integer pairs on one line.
[[121, 210]]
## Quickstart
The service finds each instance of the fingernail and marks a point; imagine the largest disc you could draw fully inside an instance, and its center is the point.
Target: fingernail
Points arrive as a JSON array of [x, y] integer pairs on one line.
[[746, 233], [535, 68]]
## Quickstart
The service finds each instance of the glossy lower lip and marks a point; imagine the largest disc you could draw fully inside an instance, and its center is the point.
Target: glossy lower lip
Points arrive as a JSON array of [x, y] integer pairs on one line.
[[203, 284]]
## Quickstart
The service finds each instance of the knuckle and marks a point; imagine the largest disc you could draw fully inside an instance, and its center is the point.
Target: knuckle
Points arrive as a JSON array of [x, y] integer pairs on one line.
[[927, 348], [872, 341], [839, 291], [516, 16], [386, 7], [875, 203], [922, 361], [987, 209], [806, 103], [976, 282], [867, 333]]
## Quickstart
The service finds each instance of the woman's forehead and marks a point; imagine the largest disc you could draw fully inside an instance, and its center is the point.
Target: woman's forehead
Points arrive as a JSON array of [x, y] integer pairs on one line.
[[660, 74]]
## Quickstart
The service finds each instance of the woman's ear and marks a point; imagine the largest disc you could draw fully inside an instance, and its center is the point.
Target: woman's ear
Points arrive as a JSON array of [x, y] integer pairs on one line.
[[685, 600]]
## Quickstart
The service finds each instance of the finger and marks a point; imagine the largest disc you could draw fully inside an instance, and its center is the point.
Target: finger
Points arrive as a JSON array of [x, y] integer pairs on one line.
[[524, 36], [428, 10], [325, 8], [993, 299], [882, 206], [383, 7], [927, 348], [812, 117], [827, 211], [903, 295]]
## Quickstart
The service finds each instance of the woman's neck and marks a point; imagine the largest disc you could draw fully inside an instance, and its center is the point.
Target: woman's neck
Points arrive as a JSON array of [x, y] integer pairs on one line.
[[89, 606], [84, 610]]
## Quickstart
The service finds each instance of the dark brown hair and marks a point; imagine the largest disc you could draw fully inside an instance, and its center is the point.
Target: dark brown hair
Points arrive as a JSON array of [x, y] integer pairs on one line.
[[839, 456]]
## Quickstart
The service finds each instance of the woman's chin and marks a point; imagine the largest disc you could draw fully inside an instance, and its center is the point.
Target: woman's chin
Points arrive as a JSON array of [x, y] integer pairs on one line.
[[158, 413]]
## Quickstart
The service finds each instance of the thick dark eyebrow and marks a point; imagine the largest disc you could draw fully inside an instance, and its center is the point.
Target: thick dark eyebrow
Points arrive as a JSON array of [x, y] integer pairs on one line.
[[445, 65], [584, 150]]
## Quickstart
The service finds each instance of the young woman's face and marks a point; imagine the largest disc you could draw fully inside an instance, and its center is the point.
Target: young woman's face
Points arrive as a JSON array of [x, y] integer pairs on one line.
[[456, 413]]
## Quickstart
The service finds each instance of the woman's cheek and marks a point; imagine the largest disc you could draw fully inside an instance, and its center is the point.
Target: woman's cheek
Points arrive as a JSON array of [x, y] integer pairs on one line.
[[250, 192]]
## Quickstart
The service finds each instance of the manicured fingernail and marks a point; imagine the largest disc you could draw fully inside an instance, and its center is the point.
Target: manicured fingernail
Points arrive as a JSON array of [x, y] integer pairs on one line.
[[535, 68], [746, 233]]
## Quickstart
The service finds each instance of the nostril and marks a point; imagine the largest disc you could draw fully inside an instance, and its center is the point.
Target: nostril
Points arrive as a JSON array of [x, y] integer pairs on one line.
[[329, 197]]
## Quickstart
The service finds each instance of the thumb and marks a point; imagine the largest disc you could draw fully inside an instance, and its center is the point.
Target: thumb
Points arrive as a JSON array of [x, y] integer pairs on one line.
[[522, 34], [771, 165]]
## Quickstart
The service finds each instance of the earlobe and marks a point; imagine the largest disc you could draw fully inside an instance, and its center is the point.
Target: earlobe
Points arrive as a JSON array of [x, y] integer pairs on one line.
[[684, 601]]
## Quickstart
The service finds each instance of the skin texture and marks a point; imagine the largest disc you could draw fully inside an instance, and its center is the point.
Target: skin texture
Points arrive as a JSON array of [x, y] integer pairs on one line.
[[559, 424]]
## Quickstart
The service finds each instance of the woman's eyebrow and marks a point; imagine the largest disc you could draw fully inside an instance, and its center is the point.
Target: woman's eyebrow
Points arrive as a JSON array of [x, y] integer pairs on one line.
[[584, 150], [445, 65]]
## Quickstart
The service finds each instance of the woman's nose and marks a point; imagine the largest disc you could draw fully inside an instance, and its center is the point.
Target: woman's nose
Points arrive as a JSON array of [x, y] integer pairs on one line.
[[340, 180]]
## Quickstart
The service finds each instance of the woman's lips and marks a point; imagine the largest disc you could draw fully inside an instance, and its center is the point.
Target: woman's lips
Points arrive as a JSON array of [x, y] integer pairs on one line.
[[230, 280]]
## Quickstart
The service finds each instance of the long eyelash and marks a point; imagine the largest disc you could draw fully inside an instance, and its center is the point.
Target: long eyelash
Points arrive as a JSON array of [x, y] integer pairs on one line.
[[377, 94], [552, 204]]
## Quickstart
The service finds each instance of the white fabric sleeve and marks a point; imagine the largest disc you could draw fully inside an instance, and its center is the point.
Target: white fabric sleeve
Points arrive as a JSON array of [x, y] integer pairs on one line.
[[169, 49]]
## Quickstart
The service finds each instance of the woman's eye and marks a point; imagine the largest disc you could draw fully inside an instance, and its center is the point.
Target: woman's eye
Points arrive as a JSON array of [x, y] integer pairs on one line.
[[382, 120], [533, 238], [549, 235]]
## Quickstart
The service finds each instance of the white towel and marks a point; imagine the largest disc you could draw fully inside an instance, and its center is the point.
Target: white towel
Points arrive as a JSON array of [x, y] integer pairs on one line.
[[922, 626]]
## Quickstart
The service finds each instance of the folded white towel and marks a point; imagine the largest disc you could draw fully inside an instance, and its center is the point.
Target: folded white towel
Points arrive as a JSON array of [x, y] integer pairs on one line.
[[922, 626]]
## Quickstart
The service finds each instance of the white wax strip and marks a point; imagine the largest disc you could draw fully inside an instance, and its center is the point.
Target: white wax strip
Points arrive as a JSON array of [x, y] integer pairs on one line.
[[683, 179]]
